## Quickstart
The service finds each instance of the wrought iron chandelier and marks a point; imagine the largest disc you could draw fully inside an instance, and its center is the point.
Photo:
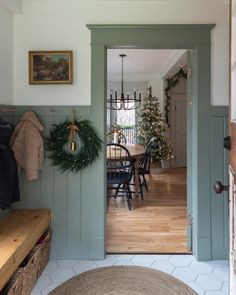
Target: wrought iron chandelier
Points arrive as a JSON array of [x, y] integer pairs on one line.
[[124, 102]]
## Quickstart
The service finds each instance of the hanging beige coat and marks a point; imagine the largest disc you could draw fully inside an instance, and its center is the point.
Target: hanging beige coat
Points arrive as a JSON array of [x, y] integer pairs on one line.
[[27, 145]]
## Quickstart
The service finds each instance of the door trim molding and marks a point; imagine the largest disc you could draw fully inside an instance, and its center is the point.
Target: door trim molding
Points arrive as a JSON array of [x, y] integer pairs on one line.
[[197, 38]]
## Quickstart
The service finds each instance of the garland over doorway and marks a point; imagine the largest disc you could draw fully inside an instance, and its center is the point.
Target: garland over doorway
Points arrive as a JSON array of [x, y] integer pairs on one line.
[[171, 83]]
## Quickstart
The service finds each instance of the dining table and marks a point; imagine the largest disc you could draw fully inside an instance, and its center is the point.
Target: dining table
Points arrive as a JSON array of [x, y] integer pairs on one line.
[[136, 152]]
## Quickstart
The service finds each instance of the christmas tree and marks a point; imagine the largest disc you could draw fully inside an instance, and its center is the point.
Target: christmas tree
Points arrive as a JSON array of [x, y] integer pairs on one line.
[[151, 124]]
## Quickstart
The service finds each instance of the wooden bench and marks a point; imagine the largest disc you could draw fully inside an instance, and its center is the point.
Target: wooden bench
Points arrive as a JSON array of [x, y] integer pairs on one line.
[[19, 232]]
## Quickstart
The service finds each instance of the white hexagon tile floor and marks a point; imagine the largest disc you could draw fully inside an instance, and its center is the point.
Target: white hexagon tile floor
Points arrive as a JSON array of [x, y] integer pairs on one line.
[[206, 278]]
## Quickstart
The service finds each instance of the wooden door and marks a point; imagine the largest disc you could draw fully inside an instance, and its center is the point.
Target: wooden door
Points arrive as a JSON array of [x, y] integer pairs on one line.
[[181, 133], [232, 154], [178, 126]]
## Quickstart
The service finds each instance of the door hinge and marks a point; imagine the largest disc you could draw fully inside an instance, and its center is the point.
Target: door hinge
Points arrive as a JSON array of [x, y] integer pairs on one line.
[[189, 72]]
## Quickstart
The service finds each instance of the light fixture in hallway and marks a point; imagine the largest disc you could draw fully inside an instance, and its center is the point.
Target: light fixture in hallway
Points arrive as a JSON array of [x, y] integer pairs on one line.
[[124, 102]]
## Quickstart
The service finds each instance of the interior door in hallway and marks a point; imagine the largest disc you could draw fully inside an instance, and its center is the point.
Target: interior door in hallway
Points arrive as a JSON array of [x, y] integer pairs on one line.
[[180, 133], [178, 123]]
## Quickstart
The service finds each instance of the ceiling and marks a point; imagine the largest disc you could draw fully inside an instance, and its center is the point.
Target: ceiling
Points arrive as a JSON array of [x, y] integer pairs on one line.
[[145, 61]]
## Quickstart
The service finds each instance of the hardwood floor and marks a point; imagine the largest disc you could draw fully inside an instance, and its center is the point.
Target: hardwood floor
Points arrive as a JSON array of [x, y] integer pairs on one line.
[[158, 224]]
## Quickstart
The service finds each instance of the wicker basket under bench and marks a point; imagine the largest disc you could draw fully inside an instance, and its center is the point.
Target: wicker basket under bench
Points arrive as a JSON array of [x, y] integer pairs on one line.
[[25, 248]]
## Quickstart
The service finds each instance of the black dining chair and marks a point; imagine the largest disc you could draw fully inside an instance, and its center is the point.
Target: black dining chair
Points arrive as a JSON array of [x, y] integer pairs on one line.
[[119, 171], [144, 165]]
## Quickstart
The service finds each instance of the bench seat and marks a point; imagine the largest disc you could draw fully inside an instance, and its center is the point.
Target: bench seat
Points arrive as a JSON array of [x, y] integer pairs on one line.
[[20, 229]]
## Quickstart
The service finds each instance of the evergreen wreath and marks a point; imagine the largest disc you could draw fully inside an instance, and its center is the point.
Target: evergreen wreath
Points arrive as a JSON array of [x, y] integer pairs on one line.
[[89, 150], [171, 83]]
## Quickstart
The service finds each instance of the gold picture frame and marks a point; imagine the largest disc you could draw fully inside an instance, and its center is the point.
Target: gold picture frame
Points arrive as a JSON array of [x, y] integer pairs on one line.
[[50, 67]]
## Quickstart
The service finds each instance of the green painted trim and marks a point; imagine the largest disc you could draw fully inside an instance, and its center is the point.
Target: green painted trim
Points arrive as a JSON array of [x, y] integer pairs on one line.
[[204, 243], [219, 111], [168, 37], [98, 93], [189, 155], [197, 38], [219, 171], [148, 26], [45, 110], [201, 170]]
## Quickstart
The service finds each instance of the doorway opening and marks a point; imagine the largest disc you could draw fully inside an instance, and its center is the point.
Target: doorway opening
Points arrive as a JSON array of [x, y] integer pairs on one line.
[[158, 223], [197, 39]]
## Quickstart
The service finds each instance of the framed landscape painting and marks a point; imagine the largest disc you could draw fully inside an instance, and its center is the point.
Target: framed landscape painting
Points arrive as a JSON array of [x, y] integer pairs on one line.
[[50, 67]]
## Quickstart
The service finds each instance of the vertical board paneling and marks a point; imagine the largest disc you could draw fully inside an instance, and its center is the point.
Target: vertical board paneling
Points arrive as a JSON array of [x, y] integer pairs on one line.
[[60, 204], [23, 189], [58, 191], [47, 184], [47, 174], [74, 209], [75, 204], [34, 193], [60, 208], [219, 168]]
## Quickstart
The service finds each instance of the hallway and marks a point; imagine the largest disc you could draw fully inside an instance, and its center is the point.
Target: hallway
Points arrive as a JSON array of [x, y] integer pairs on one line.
[[157, 224]]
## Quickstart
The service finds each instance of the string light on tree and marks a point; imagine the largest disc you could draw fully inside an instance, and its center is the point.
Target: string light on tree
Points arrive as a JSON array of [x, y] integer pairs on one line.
[[151, 124]]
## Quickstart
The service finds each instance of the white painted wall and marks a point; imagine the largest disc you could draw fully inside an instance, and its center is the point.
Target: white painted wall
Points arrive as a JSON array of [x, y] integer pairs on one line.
[[6, 57], [61, 24], [156, 82], [12, 6]]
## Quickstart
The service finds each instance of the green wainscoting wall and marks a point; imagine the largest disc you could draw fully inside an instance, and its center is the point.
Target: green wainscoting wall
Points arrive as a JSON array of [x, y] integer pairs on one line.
[[78, 231], [219, 171], [76, 209]]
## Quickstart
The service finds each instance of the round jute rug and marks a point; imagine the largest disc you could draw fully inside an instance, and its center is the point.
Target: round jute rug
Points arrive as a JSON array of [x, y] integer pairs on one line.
[[123, 280]]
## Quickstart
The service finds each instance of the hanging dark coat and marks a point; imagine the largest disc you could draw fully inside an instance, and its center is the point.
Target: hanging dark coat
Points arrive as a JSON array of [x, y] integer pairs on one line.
[[9, 184]]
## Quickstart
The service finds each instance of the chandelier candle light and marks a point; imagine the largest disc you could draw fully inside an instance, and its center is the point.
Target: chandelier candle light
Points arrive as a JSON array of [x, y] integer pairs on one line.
[[123, 102], [116, 137]]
